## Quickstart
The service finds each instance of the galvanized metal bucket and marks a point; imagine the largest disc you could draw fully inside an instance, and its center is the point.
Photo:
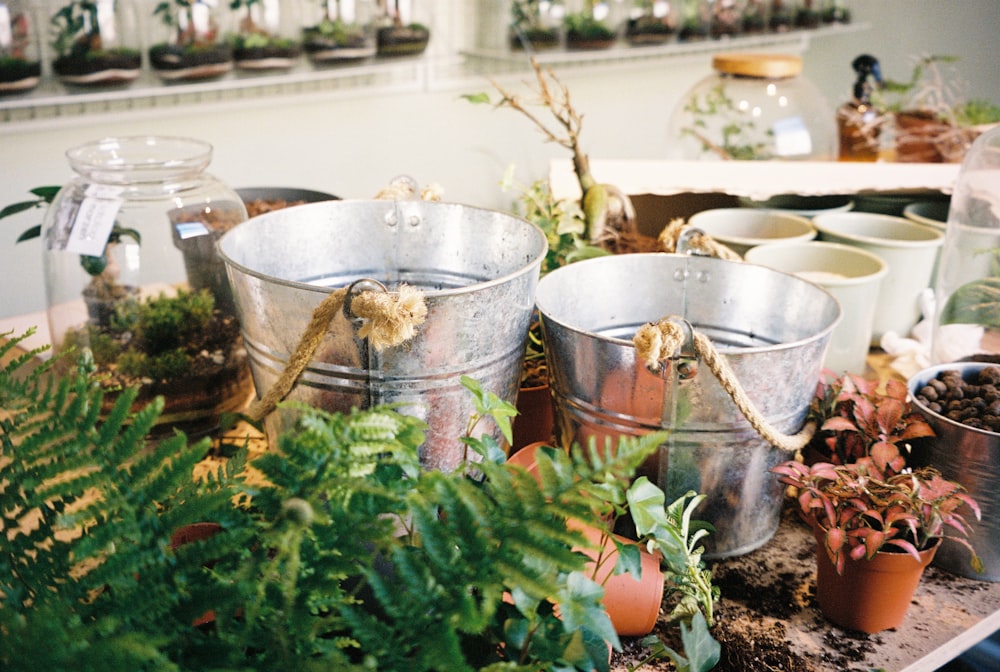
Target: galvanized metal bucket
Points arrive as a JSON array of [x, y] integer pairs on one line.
[[772, 328], [477, 270], [971, 457]]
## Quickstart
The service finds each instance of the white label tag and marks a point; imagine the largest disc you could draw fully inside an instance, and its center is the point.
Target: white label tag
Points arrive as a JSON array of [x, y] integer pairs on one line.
[[92, 226]]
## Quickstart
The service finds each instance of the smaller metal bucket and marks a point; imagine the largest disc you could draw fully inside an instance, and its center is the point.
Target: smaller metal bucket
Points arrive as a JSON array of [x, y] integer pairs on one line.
[[477, 270], [773, 329], [971, 457]]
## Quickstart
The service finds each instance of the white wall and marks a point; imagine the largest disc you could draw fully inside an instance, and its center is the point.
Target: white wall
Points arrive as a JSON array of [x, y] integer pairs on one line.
[[353, 145]]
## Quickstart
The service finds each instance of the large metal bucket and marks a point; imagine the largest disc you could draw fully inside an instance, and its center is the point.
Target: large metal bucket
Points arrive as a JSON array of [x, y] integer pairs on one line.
[[477, 270], [971, 457], [773, 329]]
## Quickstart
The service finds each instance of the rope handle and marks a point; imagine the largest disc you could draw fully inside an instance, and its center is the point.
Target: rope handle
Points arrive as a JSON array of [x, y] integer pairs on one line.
[[387, 319], [657, 343]]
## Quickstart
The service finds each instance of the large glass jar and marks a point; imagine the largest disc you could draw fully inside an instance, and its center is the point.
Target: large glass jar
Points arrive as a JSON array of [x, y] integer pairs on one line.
[[20, 60], [967, 289], [265, 35], [754, 107], [189, 42], [132, 275], [338, 31], [95, 42]]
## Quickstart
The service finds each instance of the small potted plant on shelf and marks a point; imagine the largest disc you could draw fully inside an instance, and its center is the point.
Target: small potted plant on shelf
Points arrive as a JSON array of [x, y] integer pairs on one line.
[[650, 22], [875, 534], [332, 35], [335, 551], [20, 67], [260, 41], [398, 35], [856, 421], [531, 27], [193, 47], [587, 30], [90, 43]]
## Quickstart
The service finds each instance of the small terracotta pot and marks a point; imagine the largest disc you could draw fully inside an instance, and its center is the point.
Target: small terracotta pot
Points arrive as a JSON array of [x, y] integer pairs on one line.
[[871, 595], [633, 605], [534, 419]]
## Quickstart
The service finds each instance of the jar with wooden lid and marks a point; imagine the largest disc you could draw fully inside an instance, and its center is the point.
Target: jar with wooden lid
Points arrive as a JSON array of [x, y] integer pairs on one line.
[[753, 107]]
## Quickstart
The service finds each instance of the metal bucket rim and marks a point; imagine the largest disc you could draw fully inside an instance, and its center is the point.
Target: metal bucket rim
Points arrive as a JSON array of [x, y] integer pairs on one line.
[[723, 349], [925, 375], [532, 263]]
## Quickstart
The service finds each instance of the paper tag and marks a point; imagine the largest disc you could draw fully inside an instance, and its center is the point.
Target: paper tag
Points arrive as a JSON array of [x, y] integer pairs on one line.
[[92, 224]]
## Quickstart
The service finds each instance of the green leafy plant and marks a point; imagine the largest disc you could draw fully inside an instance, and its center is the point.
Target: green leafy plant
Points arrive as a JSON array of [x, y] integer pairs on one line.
[[190, 35], [978, 301], [103, 269], [77, 33], [528, 25], [338, 551], [251, 36], [583, 26], [860, 513], [739, 137], [858, 422]]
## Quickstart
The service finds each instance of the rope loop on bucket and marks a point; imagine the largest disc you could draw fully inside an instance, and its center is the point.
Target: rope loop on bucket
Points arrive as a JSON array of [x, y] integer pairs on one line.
[[656, 344], [681, 238], [388, 319]]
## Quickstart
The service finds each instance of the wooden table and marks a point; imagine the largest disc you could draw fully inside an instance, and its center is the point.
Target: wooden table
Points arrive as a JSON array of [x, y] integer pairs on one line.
[[949, 614]]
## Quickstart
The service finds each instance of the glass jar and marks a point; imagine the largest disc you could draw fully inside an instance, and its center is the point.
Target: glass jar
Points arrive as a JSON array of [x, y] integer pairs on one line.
[[754, 107], [781, 15], [132, 276], [338, 31], [650, 22], [20, 60], [402, 28], [534, 24], [190, 42], [266, 35], [95, 42], [754, 17], [967, 288]]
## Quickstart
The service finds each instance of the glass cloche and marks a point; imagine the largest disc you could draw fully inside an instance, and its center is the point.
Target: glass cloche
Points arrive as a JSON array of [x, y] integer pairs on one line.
[[967, 292]]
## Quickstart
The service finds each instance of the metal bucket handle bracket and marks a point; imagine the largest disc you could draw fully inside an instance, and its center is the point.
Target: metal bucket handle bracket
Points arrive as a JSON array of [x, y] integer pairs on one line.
[[674, 339]]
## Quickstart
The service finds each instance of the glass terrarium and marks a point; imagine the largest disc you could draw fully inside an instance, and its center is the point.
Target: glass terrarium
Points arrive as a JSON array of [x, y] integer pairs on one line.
[[95, 42], [338, 31], [402, 28], [266, 35], [190, 43], [651, 22], [535, 24], [588, 24], [967, 290], [727, 18], [132, 276], [754, 107], [695, 20], [20, 60]]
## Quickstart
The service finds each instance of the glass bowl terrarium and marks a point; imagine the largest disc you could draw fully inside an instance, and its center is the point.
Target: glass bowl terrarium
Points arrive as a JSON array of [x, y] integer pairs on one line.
[[338, 31], [754, 107], [122, 286], [95, 42], [20, 62], [191, 43]]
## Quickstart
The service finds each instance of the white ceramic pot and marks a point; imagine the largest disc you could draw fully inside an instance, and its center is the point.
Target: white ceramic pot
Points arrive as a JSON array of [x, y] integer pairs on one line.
[[743, 228], [909, 249], [851, 275]]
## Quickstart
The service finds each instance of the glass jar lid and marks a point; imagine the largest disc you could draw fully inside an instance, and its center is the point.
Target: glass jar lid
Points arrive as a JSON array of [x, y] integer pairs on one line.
[[769, 66]]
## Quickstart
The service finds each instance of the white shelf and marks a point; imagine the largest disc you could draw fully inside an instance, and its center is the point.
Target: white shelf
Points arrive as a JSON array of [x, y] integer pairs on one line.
[[53, 105]]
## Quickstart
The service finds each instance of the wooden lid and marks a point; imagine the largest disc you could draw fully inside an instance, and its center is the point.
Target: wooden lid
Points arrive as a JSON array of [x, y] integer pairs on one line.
[[773, 66]]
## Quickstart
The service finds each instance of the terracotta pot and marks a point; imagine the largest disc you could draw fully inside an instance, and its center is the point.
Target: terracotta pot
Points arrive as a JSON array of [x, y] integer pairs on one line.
[[633, 605], [534, 419], [871, 595]]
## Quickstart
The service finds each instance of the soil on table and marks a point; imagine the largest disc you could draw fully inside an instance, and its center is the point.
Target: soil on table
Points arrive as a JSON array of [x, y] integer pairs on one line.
[[762, 593]]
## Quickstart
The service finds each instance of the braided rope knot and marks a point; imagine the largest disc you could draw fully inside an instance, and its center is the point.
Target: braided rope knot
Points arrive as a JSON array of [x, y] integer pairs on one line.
[[388, 319], [658, 343], [698, 241]]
